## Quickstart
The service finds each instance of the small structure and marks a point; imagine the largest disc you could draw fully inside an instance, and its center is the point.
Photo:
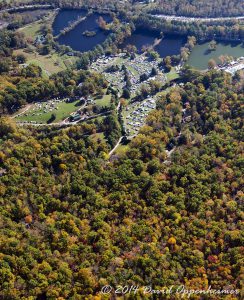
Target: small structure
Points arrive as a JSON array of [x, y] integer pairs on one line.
[[40, 39], [75, 118], [2, 172]]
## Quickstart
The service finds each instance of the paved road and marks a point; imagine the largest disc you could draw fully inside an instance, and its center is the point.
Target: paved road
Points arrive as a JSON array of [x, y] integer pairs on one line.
[[116, 146], [62, 124], [67, 119], [26, 7], [196, 19], [161, 16], [21, 113]]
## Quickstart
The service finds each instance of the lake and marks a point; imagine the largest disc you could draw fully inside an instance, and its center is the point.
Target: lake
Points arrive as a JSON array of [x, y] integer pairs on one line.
[[79, 42], [200, 55], [170, 44], [140, 38], [65, 17]]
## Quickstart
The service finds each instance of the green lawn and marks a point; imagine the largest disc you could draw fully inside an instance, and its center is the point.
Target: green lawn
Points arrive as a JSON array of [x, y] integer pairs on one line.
[[126, 113], [97, 136], [159, 95], [121, 149], [51, 63], [119, 61], [172, 75], [33, 29], [21, 1], [40, 116], [104, 101], [133, 71]]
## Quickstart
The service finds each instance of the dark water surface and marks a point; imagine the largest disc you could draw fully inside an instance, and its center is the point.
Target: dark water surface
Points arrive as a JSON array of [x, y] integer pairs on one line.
[[170, 45], [140, 38], [65, 17], [79, 42]]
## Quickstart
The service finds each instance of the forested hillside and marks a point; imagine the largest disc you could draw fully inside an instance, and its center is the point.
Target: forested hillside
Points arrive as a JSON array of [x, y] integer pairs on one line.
[[72, 221], [201, 8]]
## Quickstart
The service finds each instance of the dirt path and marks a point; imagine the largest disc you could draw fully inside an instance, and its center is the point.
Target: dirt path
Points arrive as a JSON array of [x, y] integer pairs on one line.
[[28, 106], [197, 19], [116, 146]]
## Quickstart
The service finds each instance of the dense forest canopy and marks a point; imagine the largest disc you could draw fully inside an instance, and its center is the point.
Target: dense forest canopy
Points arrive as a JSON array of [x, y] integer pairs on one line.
[[164, 211], [201, 8], [84, 222]]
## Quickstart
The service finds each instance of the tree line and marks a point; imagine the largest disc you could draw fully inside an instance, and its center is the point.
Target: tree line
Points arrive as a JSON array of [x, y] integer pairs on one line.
[[72, 222], [204, 8]]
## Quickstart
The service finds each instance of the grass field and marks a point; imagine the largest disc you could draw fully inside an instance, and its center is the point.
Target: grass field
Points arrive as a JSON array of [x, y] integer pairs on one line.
[[133, 71], [51, 63], [172, 75], [21, 1], [126, 112], [104, 101], [62, 111], [121, 149], [97, 136], [33, 29]]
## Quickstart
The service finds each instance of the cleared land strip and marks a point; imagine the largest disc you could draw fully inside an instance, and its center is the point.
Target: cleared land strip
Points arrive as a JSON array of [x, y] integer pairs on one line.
[[116, 146], [27, 7], [63, 124], [161, 16], [197, 19]]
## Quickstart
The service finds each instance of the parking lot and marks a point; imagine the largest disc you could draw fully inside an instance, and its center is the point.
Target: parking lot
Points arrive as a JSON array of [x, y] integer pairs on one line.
[[135, 115]]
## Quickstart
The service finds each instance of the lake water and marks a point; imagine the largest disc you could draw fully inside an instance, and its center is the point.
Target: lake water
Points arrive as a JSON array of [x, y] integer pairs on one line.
[[79, 42], [140, 38], [170, 45], [200, 55], [65, 17]]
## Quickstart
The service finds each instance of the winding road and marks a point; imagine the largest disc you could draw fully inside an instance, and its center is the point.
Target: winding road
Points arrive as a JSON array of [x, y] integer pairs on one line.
[[161, 16], [64, 124], [27, 7], [115, 147], [196, 19]]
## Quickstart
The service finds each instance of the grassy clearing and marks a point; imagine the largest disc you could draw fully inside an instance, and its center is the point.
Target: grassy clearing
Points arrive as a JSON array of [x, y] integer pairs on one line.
[[96, 137], [172, 75], [127, 112], [122, 149], [119, 61], [159, 95], [133, 71], [104, 101], [4, 83], [98, 119], [51, 63], [62, 111], [33, 29], [20, 1]]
